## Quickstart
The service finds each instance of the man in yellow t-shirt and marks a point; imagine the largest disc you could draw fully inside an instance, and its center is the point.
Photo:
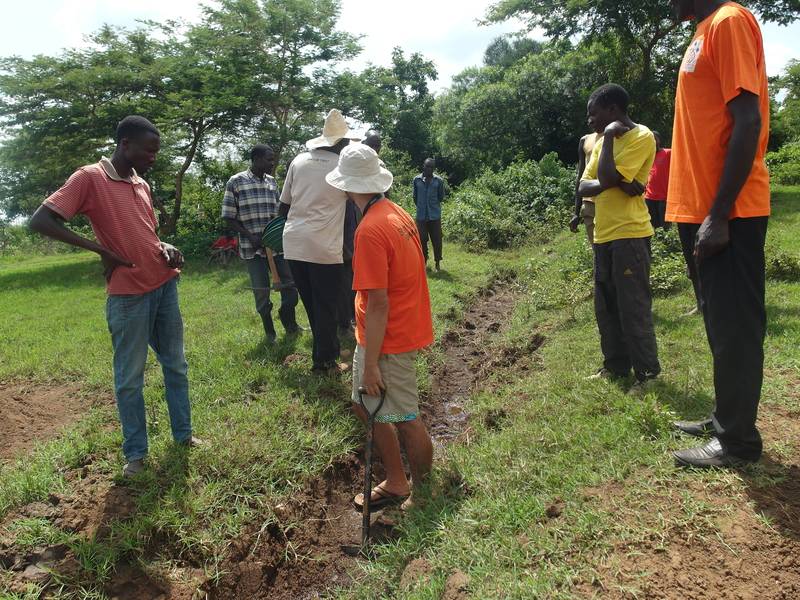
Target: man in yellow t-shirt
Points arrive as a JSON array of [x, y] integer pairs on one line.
[[616, 177]]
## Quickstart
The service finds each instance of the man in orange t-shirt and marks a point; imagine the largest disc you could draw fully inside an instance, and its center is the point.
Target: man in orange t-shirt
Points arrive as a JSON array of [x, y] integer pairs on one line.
[[719, 195], [393, 321]]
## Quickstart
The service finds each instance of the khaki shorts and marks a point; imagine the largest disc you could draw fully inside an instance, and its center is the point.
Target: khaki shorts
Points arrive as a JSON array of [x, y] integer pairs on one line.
[[400, 378]]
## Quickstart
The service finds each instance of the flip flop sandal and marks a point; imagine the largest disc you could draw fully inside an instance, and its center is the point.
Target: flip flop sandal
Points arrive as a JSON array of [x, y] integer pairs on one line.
[[384, 499]]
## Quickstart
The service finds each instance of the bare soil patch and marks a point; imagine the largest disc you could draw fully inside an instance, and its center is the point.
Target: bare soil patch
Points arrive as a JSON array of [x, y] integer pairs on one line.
[[32, 413], [297, 553], [738, 541], [89, 510]]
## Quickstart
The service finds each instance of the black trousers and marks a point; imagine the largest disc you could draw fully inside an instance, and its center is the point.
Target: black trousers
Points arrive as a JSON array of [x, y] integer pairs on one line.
[[260, 281], [432, 229], [319, 287], [346, 312], [687, 233], [658, 210], [732, 286], [624, 308]]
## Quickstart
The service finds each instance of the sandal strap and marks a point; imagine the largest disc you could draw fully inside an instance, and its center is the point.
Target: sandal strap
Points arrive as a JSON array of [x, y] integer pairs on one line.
[[383, 492]]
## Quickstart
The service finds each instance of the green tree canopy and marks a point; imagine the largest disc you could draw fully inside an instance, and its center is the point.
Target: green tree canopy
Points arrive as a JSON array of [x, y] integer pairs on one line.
[[249, 70]]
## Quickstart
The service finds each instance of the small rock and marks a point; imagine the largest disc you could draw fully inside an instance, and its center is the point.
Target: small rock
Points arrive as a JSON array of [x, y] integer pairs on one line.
[[282, 510], [35, 574]]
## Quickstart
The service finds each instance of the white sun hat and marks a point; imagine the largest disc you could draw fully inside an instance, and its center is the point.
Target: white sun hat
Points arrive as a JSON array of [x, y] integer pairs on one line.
[[360, 171], [335, 129]]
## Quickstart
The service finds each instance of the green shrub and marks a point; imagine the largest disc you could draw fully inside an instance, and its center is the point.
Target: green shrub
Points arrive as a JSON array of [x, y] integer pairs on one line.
[[782, 266], [668, 269], [200, 223], [18, 240], [501, 209], [784, 165]]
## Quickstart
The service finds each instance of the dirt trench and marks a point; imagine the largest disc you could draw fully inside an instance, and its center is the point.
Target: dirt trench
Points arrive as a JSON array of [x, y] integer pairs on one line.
[[297, 552], [301, 556]]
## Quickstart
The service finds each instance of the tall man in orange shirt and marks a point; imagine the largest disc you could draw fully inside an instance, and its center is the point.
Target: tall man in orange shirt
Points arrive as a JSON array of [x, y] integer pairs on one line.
[[719, 194], [393, 321]]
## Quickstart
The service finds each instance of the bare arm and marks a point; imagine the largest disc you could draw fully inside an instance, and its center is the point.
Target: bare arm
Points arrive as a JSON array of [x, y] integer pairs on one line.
[[590, 188], [714, 235], [607, 173], [744, 109], [237, 226], [377, 316], [49, 223], [581, 169]]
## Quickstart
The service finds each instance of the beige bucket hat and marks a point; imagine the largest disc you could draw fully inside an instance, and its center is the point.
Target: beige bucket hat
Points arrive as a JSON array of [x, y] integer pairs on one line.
[[360, 171], [335, 129]]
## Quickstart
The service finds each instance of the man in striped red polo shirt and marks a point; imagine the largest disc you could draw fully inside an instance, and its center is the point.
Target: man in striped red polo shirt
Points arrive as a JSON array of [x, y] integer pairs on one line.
[[141, 275]]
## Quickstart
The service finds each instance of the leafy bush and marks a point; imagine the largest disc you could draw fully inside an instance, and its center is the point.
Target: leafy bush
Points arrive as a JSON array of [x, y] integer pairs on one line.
[[200, 223], [784, 165], [501, 209], [782, 266], [668, 269], [19, 240]]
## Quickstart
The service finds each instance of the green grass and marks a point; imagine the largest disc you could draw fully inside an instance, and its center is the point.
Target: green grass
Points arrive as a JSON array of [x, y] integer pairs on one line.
[[553, 438], [567, 439], [270, 427]]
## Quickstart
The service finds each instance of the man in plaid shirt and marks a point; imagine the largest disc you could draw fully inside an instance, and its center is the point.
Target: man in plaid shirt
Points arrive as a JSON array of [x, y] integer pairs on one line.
[[250, 203]]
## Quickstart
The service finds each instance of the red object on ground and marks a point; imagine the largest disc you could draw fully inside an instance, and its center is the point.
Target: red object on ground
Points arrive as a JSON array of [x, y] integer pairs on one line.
[[225, 243]]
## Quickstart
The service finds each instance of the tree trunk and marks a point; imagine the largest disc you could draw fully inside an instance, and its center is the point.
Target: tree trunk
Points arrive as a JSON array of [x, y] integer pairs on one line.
[[169, 222]]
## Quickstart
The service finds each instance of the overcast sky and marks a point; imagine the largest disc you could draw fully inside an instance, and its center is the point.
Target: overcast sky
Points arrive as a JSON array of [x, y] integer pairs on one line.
[[446, 32]]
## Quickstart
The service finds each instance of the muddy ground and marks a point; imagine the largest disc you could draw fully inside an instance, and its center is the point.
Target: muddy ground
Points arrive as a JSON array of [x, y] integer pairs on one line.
[[301, 557], [736, 541]]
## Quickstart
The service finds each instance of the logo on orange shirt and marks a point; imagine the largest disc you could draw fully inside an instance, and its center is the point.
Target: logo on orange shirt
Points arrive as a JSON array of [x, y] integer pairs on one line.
[[693, 53]]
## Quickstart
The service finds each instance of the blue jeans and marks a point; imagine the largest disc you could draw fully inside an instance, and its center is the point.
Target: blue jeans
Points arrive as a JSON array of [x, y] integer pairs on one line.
[[135, 322]]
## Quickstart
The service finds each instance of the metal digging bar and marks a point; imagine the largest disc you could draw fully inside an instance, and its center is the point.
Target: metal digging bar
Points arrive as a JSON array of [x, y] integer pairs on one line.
[[363, 549]]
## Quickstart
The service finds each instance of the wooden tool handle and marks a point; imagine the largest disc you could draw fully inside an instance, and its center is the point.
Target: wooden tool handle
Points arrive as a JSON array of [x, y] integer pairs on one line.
[[273, 268]]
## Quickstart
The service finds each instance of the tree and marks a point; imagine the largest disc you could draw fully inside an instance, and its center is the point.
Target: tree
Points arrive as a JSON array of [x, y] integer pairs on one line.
[[788, 109], [250, 69], [504, 51], [60, 112], [494, 115], [644, 29]]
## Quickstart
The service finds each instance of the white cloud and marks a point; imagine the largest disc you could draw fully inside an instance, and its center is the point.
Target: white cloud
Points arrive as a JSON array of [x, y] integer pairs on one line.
[[442, 32], [445, 32], [777, 56]]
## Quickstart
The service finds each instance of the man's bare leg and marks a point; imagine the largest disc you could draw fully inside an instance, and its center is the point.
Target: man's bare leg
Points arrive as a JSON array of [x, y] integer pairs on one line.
[[419, 449], [388, 447]]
